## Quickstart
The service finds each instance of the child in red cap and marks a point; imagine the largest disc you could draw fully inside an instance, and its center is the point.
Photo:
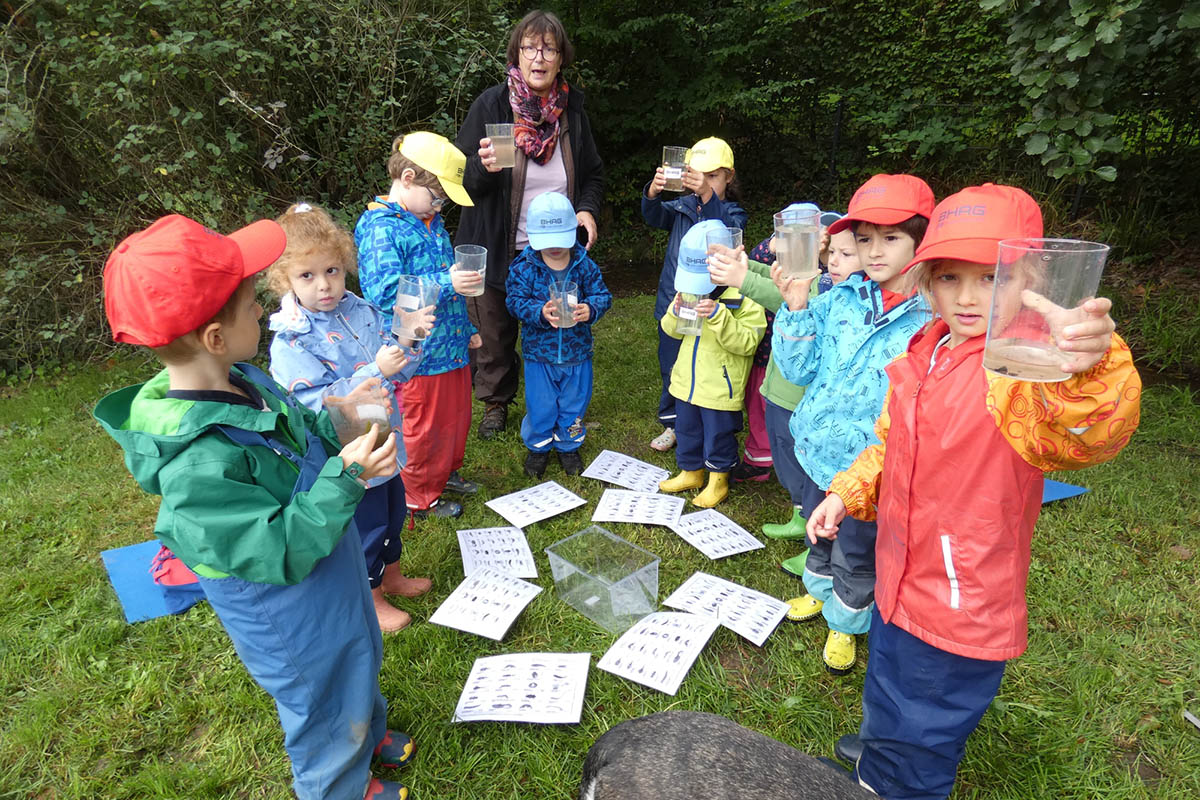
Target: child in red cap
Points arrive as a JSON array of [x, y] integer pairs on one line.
[[838, 345], [956, 487], [257, 495]]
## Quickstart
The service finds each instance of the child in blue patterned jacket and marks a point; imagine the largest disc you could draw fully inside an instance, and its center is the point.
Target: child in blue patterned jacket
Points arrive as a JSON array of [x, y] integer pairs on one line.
[[557, 351], [401, 234], [323, 333]]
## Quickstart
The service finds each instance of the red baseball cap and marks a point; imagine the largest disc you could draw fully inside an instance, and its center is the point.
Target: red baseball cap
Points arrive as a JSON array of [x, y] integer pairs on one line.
[[967, 226], [176, 275], [887, 200]]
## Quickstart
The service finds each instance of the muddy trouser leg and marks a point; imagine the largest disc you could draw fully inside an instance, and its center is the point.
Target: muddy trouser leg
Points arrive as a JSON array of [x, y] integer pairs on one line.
[[497, 367]]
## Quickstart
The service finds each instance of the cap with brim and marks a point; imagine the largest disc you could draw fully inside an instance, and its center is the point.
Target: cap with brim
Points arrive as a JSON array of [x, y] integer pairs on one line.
[[968, 225], [709, 154], [887, 200], [550, 221], [829, 217], [691, 269], [438, 155], [174, 276]]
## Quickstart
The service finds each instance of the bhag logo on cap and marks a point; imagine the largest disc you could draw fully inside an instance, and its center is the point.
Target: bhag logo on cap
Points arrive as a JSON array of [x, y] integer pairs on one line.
[[867, 191], [550, 221], [953, 214]]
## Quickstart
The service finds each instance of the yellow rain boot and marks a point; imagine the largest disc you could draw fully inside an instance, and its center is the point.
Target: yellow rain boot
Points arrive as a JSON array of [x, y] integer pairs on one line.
[[839, 653], [686, 479], [716, 491]]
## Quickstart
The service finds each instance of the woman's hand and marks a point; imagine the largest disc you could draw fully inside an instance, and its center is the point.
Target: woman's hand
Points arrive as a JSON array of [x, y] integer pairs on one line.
[[487, 155], [823, 522], [795, 293], [728, 267], [588, 222], [657, 185]]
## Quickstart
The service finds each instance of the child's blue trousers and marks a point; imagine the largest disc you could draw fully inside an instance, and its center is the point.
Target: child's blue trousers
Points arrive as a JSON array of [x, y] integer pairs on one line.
[[783, 452], [556, 398], [668, 351], [919, 706], [841, 573], [705, 437], [380, 521]]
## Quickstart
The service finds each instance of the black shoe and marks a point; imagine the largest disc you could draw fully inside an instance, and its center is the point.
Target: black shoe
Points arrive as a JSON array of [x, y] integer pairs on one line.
[[440, 508], [848, 748], [535, 463], [572, 462], [459, 485], [495, 420], [745, 471], [836, 767]]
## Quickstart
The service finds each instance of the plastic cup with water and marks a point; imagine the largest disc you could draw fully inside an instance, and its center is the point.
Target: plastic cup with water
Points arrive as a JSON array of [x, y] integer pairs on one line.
[[1039, 289], [503, 145], [565, 295], [690, 323], [798, 243], [673, 164], [356, 403], [416, 296], [471, 258]]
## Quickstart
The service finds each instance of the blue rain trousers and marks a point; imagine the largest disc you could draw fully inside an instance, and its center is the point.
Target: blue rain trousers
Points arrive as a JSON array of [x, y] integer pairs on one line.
[[919, 706], [315, 647], [706, 438], [668, 351], [380, 521], [556, 398]]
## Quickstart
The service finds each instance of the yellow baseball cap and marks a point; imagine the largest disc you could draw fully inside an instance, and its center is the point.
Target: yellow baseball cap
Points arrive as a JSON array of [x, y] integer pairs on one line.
[[438, 155], [709, 154]]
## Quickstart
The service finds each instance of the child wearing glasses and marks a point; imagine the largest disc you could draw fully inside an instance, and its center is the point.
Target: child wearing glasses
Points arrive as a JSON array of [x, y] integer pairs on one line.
[[401, 234]]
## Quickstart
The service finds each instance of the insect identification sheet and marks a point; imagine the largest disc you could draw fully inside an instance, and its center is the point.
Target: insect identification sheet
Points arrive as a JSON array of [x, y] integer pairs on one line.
[[535, 503], [502, 549], [748, 613], [715, 534], [485, 603], [613, 467], [647, 508], [543, 688], [659, 650]]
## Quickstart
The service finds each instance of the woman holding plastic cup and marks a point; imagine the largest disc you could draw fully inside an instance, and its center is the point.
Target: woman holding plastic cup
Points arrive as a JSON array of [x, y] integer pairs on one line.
[[554, 151]]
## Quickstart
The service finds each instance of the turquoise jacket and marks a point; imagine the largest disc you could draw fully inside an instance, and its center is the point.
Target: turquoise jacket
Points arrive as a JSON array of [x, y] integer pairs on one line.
[[392, 242], [711, 369], [228, 509], [838, 347]]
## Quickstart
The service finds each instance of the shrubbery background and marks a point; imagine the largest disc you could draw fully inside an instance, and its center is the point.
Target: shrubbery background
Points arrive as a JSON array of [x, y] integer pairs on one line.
[[112, 114]]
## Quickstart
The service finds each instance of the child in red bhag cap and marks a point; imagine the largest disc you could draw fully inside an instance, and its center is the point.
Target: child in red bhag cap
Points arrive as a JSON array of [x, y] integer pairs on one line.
[[956, 487], [257, 495], [838, 345]]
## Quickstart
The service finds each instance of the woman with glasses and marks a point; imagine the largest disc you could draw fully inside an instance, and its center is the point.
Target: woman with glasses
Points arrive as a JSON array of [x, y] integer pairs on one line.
[[555, 152]]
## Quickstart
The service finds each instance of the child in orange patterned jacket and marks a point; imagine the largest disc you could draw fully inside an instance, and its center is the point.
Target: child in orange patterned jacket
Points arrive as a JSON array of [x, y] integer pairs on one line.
[[956, 486]]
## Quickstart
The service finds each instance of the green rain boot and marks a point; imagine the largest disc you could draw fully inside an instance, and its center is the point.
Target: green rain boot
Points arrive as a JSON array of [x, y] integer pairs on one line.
[[792, 529], [795, 566]]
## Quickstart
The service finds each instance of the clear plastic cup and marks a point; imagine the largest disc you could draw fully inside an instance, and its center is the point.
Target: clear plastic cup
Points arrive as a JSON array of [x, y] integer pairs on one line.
[[415, 296], [355, 404], [501, 134], [565, 295], [798, 243], [471, 258], [730, 237], [1040, 287], [673, 164], [689, 323]]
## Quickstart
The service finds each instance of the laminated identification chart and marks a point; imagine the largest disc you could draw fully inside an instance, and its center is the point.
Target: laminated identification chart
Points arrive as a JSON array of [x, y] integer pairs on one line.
[[623, 470], [485, 603], [715, 534], [750, 614], [620, 505], [535, 503], [544, 688], [659, 649], [502, 549]]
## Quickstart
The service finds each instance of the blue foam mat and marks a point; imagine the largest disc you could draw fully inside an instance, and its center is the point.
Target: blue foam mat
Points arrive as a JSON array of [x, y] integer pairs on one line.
[[141, 598], [1057, 490]]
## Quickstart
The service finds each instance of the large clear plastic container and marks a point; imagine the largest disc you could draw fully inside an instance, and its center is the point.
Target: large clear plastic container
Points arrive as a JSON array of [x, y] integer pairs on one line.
[[610, 581]]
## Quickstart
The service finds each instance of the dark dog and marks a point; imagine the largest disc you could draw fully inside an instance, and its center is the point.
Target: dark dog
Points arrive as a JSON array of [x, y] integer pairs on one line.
[[684, 755]]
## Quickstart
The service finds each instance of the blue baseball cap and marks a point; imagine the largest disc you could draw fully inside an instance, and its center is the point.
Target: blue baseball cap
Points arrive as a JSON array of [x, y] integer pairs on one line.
[[551, 221], [691, 271]]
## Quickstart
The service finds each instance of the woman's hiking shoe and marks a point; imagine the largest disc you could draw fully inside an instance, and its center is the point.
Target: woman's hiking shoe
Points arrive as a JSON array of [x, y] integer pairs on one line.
[[385, 790], [795, 528], [839, 653], [745, 471], [802, 609], [396, 750], [572, 462], [495, 420], [664, 441]]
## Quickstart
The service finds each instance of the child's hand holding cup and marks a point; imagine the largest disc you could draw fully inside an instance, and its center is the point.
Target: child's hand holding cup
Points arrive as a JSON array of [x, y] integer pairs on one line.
[[469, 268]]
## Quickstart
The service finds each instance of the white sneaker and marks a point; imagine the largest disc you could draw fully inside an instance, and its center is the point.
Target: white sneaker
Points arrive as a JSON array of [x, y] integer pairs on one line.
[[664, 441]]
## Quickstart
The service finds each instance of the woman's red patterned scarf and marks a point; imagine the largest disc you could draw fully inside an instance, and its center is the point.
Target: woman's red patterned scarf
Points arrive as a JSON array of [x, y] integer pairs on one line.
[[535, 119]]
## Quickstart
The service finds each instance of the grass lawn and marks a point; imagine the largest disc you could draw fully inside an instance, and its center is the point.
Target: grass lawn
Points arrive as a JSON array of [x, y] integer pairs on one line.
[[163, 709]]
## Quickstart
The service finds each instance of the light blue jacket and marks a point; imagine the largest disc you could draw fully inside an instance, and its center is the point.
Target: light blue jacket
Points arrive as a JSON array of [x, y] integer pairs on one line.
[[392, 242], [312, 349], [838, 347]]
